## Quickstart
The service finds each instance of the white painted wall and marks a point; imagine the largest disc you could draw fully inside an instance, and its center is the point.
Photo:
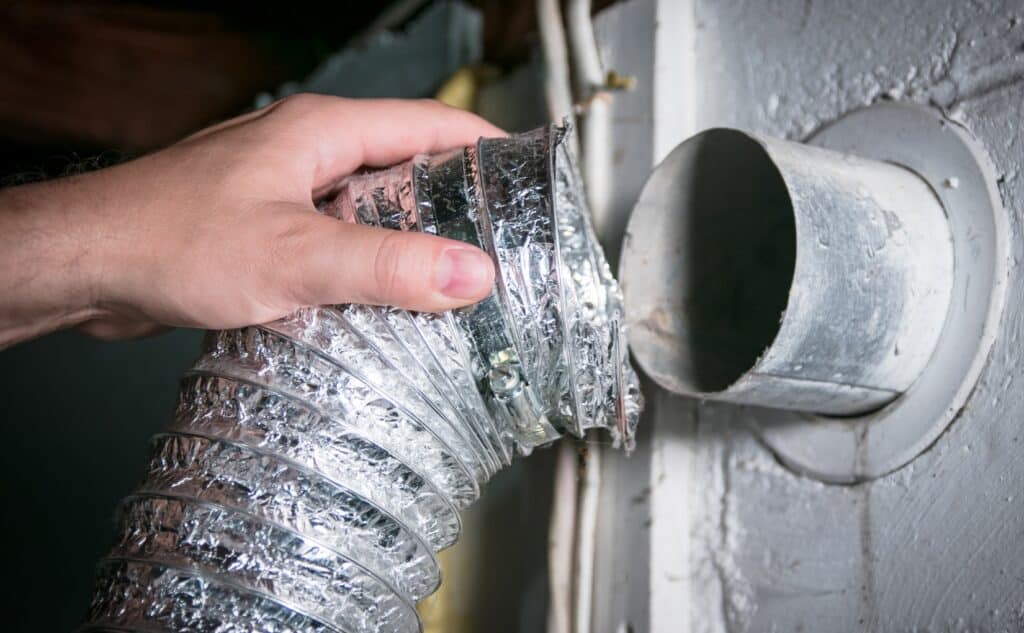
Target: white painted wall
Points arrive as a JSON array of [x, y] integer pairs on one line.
[[702, 530]]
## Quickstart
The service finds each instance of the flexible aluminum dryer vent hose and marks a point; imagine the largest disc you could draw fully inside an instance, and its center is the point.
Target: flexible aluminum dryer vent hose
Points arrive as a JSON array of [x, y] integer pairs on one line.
[[316, 465]]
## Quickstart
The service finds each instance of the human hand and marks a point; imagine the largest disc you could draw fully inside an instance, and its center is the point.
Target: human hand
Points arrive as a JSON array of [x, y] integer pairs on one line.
[[220, 231]]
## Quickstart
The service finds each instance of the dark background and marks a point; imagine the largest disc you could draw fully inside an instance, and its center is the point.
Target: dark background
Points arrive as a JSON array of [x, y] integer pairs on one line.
[[87, 84]]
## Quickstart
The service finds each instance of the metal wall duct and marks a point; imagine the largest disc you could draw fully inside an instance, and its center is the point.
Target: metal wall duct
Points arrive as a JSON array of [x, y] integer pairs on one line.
[[315, 465], [772, 273]]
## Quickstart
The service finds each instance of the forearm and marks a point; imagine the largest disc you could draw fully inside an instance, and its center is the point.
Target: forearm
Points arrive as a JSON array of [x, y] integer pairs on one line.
[[48, 268]]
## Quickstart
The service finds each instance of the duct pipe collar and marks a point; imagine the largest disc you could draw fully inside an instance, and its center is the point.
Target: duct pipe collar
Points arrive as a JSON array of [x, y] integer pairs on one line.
[[850, 290]]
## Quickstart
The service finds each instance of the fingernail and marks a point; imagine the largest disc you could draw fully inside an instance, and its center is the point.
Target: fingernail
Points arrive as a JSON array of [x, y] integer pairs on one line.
[[464, 273]]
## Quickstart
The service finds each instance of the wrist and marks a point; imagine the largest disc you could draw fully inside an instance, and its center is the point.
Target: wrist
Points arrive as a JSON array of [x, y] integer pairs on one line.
[[48, 250]]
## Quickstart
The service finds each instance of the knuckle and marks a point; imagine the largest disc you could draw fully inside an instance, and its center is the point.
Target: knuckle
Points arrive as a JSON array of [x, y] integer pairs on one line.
[[296, 108], [299, 103], [389, 280], [303, 116], [433, 104], [280, 256]]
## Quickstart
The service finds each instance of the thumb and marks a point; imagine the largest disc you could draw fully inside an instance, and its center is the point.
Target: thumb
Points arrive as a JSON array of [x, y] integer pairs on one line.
[[340, 262]]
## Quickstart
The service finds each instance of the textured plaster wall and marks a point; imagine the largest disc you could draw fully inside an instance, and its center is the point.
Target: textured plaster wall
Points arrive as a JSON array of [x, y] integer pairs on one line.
[[936, 546]]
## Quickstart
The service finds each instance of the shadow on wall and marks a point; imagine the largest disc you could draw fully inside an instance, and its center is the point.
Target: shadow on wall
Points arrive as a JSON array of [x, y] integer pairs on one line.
[[77, 415]]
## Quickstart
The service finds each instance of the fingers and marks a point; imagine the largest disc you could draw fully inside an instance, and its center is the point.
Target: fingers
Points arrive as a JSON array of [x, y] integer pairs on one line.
[[352, 133], [323, 261]]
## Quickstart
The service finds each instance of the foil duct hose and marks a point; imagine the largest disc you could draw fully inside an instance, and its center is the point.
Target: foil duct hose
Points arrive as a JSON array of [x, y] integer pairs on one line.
[[316, 465]]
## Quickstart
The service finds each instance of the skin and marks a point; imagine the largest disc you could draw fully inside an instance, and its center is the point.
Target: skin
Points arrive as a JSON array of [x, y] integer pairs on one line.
[[219, 230]]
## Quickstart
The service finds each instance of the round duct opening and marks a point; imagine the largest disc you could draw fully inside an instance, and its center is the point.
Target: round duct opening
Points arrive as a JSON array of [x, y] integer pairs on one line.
[[736, 243]]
